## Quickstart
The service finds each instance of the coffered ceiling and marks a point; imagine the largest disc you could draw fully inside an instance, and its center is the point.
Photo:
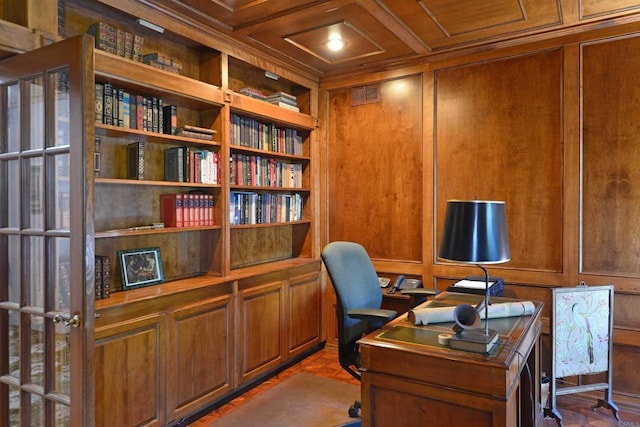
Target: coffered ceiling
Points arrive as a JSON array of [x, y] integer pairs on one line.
[[386, 33]]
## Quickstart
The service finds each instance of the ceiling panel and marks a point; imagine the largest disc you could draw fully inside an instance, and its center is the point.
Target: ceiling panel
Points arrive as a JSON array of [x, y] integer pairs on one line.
[[384, 32]]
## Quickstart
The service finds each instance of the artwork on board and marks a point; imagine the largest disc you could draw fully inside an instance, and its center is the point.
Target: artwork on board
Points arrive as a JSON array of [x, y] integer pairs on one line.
[[582, 330]]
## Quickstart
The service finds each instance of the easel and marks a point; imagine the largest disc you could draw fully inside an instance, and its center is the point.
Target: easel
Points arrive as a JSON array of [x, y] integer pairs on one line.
[[582, 318]]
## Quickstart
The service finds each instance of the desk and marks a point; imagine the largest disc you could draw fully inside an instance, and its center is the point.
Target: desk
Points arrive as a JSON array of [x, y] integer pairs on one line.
[[408, 379]]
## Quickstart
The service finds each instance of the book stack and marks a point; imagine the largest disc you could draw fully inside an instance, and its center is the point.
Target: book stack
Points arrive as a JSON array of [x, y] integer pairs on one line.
[[196, 132], [253, 93], [117, 41], [163, 62], [284, 100], [102, 276], [187, 209]]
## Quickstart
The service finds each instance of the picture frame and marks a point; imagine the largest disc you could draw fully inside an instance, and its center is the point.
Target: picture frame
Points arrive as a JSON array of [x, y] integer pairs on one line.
[[140, 267]]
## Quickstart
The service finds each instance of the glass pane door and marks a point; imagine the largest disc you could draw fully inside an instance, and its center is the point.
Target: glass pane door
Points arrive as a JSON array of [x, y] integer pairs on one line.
[[38, 296]]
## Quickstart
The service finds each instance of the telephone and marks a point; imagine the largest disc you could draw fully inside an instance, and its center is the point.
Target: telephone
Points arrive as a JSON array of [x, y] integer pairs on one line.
[[403, 283]]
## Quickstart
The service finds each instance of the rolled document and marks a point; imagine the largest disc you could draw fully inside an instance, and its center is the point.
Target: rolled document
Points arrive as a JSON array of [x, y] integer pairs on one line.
[[425, 316]]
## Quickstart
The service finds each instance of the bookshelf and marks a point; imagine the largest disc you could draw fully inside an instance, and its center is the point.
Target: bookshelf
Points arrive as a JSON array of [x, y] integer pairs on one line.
[[238, 285]]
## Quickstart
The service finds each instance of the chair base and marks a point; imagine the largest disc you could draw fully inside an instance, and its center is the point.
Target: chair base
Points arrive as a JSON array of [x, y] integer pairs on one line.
[[354, 410]]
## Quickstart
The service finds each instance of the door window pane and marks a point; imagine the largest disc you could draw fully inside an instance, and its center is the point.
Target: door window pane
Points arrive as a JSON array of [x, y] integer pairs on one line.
[[34, 274], [63, 415], [37, 411], [14, 344], [61, 107], [59, 188], [61, 273], [35, 97], [36, 347], [12, 111], [13, 193], [14, 405], [13, 269], [62, 359], [34, 188]]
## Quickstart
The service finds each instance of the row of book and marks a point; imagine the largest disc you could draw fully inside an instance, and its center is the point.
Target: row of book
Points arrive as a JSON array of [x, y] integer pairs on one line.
[[186, 164], [187, 210], [118, 107], [102, 276], [116, 41], [255, 170], [252, 133], [264, 208]]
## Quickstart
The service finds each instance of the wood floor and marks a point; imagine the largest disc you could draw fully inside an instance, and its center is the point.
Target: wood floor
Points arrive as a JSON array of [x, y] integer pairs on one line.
[[575, 409]]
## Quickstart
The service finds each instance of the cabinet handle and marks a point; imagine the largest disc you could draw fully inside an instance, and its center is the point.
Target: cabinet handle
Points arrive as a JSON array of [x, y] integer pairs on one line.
[[69, 321]]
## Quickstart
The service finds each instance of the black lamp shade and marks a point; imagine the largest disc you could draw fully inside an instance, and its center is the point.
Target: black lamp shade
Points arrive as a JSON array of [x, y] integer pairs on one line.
[[475, 232]]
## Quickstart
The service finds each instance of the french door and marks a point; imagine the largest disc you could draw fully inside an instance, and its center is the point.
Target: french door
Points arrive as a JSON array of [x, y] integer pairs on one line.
[[46, 237]]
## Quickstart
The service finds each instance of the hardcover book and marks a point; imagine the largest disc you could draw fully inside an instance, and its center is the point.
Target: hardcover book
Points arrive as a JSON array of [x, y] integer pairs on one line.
[[172, 210], [135, 156], [174, 164]]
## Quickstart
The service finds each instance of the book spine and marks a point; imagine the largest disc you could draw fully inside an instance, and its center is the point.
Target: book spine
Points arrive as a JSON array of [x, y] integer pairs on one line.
[[107, 115], [98, 277], [154, 114], [120, 41], [140, 112], [106, 276], [120, 108], [136, 160], [99, 102], [126, 111], [170, 119], [172, 210]]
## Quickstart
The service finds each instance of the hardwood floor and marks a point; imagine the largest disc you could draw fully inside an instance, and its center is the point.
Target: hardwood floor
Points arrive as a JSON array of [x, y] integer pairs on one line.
[[575, 409]]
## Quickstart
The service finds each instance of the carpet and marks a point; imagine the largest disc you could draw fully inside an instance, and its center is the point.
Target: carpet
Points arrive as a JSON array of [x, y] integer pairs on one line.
[[301, 400]]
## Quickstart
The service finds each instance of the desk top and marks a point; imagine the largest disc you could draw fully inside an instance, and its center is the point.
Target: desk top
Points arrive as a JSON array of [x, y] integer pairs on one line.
[[402, 335]]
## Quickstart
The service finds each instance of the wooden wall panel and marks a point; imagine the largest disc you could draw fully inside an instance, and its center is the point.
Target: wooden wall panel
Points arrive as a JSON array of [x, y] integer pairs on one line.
[[611, 158], [499, 137], [375, 170]]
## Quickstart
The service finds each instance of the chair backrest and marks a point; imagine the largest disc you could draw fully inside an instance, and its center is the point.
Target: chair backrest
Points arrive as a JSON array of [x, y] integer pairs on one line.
[[356, 284]]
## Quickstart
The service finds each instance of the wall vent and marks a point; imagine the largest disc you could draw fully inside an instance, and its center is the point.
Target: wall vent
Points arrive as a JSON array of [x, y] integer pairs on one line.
[[365, 95]]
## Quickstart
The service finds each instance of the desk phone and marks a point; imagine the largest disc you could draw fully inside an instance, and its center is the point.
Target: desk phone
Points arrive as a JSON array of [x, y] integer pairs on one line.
[[403, 283]]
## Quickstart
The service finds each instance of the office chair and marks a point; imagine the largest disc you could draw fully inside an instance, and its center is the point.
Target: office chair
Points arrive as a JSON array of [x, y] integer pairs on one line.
[[359, 298]]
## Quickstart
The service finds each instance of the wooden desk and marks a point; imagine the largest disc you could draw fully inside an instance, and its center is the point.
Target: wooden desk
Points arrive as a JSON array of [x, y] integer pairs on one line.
[[409, 379]]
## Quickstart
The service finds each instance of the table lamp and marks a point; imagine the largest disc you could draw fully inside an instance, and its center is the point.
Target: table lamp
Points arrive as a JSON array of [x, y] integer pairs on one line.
[[475, 232]]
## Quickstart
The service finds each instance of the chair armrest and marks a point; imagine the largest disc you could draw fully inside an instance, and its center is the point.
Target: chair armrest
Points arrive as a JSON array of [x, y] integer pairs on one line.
[[372, 314], [420, 292]]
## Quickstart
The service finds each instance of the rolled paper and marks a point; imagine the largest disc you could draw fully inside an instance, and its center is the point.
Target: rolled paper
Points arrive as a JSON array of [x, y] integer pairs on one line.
[[425, 316]]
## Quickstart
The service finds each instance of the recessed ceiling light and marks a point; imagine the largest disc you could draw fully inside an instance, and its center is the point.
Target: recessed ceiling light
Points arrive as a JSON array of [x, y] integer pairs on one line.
[[335, 44]]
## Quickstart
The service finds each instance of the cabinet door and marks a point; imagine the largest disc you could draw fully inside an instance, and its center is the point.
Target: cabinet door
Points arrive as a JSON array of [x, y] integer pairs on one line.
[[201, 355], [46, 281], [304, 313], [261, 329], [130, 372]]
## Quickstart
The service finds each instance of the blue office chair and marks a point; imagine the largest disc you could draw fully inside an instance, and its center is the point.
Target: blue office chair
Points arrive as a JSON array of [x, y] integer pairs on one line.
[[359, 298]]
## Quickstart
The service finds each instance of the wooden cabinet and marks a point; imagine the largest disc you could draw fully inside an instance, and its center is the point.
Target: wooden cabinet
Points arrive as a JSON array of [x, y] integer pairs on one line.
[[304, 313], [261, 327], [200, 353], [132, 346]]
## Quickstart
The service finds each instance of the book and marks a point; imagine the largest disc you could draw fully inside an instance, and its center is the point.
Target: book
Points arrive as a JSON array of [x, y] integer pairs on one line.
[[172, 210], [192, 134], [474, 340], [199, 129], [98, 277], [174, 164], [170, 119], [107, 112], [106, 276], [135, 160], [285, 105], [105, 36], [96, 156], [138, 43], [99, 100]]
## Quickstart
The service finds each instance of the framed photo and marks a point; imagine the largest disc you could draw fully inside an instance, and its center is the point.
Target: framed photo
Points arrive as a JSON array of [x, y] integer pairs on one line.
[[140, 267]]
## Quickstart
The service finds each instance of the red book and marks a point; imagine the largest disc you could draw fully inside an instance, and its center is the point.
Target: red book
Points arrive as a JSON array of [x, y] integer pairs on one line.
[[171, 210]]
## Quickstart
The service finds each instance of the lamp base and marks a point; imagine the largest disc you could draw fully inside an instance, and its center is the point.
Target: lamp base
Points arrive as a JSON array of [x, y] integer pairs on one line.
[[475, 340]]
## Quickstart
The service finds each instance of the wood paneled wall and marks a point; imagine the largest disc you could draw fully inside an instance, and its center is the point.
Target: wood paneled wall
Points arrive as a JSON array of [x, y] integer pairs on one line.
[[550, 128]]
